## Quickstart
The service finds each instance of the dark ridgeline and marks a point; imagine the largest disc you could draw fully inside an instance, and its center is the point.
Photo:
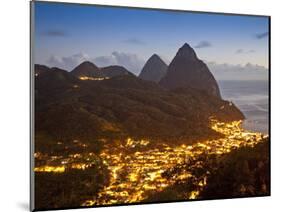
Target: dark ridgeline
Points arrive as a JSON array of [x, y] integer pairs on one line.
[[123, 105], [154, 69], [87, 69], [113, 71], [51, 79], [186, 70], [39, 69]]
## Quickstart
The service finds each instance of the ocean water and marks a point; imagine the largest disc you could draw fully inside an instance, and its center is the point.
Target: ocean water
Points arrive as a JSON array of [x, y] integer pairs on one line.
[[251, 97]]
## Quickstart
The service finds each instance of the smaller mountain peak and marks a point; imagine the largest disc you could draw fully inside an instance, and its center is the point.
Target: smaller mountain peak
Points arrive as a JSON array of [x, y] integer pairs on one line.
[[154, 69], [187, 51], [88, 69], [87, 63], [155, 56]]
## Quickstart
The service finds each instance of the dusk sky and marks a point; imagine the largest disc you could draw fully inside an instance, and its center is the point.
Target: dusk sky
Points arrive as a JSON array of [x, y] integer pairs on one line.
[[67, 34]]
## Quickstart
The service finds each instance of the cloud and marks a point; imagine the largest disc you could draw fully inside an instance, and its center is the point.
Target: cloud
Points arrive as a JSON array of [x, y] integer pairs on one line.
[[203, 44], [55, 33], [134, 41], [130, 61], [241, 51], [261, 35], [248, 71], [105, 60], [67, 63]]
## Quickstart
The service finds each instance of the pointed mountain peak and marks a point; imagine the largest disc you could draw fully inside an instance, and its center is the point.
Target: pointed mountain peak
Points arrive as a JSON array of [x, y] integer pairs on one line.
[[186, 70], [155, 57], [186, 51], [154, 69], [186, 45]]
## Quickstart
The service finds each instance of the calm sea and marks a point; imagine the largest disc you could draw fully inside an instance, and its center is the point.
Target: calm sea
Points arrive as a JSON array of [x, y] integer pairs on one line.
[[251, 97]]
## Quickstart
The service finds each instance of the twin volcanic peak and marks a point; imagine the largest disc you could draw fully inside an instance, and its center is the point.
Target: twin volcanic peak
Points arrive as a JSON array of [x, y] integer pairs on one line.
[[186, 70], [154, 69], [127, 106]]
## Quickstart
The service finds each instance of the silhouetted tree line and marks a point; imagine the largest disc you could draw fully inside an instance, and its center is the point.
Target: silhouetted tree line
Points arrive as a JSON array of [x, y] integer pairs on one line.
[[244, 172], [69, 189]]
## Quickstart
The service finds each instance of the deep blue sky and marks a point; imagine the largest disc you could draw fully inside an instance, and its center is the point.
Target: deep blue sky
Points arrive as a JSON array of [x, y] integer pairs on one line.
[[62, 30]]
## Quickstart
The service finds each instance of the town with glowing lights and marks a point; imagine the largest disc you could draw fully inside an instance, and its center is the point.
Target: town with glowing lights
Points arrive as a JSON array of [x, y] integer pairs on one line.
[[134, 176]]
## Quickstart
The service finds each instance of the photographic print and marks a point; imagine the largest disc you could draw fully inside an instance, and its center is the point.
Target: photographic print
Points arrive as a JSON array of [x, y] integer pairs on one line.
[[137, 106]]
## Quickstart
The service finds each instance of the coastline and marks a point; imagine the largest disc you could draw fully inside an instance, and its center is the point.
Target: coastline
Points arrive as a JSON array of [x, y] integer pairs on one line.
[[251, 97], [255, 126]]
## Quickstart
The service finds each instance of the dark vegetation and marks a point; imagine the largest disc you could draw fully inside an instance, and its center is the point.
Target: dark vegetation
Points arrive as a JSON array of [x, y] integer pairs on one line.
[[46, 144], [70, 188], [244, 172], [67, 108]]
